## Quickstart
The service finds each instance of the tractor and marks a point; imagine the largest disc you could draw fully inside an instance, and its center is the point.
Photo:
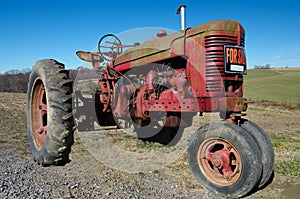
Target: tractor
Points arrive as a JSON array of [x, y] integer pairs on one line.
[[176, 77]]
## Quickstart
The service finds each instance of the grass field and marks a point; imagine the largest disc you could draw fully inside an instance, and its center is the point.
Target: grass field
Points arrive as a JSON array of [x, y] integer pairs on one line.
[[276, 85]]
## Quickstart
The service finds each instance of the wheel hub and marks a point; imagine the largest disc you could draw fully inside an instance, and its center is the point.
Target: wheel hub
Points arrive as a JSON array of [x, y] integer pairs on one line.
[[219, 161]]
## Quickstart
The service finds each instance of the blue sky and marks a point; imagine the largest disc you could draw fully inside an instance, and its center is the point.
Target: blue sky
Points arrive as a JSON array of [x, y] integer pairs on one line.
[[37, 29]]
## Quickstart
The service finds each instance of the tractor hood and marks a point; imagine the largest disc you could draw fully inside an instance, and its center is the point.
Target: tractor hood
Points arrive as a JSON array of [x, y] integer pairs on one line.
[[158, 49]]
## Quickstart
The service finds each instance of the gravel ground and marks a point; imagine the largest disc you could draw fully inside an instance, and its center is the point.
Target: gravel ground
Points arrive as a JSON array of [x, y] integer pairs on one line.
[[22, 178], [84, 177]]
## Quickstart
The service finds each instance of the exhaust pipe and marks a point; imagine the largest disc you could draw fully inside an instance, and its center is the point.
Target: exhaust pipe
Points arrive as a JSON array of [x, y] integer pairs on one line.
[[181, 10]]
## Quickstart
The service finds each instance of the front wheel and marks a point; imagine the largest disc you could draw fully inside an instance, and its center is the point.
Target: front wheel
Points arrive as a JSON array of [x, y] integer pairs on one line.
[[50, 124], [225, 158]]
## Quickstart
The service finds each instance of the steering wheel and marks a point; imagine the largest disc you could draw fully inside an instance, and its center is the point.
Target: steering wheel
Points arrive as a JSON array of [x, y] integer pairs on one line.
[[109, 46]]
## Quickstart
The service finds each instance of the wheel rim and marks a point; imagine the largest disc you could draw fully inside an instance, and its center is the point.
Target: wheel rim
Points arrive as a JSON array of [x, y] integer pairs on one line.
[[38, 114], [219, 161]]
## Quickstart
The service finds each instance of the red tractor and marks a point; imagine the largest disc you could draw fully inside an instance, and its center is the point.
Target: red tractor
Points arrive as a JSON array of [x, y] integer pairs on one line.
[[177, 76]]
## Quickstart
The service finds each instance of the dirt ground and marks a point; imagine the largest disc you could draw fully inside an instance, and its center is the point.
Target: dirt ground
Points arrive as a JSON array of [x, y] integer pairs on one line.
[[177, 176]]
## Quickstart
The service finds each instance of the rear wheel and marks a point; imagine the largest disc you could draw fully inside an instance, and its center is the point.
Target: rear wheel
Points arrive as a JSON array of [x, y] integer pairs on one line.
[[50, 123], [267, 153], [225, 158]]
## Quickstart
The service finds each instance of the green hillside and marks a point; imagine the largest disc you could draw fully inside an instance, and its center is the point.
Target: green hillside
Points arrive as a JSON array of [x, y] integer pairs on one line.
[[278, 85]]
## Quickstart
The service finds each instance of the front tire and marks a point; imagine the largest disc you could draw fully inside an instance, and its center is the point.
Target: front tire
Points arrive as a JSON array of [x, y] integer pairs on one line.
[[265, 145], [50, 124], [225, 158]]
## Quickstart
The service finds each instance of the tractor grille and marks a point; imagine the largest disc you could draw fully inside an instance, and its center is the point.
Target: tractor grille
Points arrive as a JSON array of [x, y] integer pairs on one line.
[[214, 59]]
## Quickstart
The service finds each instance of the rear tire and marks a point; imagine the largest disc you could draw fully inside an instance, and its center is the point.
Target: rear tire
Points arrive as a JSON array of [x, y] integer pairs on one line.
[[225, 158], [50, 124]]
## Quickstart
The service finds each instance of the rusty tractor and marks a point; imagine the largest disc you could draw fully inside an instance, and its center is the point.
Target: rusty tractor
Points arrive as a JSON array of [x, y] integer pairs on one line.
[[177, 76]]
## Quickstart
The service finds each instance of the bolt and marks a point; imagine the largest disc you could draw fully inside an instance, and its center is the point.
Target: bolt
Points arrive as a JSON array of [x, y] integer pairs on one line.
[[217, 163]]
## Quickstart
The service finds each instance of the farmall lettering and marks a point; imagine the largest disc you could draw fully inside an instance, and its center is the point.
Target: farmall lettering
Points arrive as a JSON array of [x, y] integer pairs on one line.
[[174, 80]]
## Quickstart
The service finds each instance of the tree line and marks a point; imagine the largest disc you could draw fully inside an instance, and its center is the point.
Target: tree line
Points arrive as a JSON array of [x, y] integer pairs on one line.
[[267, 66], [14, 81]]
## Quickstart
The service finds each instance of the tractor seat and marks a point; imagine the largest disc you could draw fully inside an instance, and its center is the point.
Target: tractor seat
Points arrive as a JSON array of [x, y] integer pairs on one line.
[[89, 56]]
